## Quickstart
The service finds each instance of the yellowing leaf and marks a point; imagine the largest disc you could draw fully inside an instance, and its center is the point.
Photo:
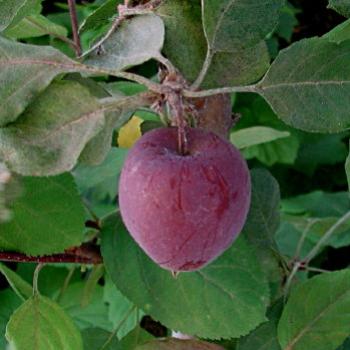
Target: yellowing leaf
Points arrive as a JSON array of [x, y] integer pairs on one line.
[[130, 132]]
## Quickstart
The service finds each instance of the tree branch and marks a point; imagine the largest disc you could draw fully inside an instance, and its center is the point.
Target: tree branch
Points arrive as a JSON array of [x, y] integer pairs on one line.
[[129, 102], [85, 254], [223, 90], [155, 87], [74, 21]]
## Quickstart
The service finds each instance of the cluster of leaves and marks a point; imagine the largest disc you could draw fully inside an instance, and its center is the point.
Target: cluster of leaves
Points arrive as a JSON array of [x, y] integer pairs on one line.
[[59, 124]]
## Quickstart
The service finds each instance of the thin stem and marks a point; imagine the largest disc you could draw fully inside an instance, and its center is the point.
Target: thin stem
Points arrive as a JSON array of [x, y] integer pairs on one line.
[[74, 22], [35, 278], [167, 64], [302, 239], [204, 70], [66, 283], [304, 264], [94, 276], [326, 237], [289, 281], [224, 90], [116, 330], [91, 212], [316, 269]]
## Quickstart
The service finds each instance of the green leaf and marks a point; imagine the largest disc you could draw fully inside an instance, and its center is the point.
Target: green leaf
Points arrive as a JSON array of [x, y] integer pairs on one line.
[[317, 227], [21, 287], [340, 33], [319, 149], [287, 238], [127, 88], [132, 339], [265, 336], [34, 26], [136, 41], [118, 307], [287, 22], [232, 284], [27, 70], [239, 66], [48, 286], [97, 149], [256, 135], [256, 111], [341, 6], [347, 169], [96, 273], [185, 45], [11, 12], [263, 217], [317, 204], [316, 213], [95, 314], [323, 321], [236, 23], [177, 344], [101, 16], [40, 324], [262, 223], [49, 137], [283, 151], [95, 88], [95, 338], [101, 181], [48, 218], [235, 31], [9, 302], [346, 345], [149, 125], [99, 184], [310, 94]]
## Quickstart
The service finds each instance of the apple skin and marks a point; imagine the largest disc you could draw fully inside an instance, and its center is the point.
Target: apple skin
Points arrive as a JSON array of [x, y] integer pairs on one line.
[[184, 211]]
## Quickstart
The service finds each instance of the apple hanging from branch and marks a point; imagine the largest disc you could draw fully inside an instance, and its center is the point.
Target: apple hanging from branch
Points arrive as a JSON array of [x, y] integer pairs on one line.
[[184, 210]]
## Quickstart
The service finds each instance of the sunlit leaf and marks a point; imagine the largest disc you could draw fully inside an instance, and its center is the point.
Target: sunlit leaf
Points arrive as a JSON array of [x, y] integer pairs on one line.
[[41, 324]]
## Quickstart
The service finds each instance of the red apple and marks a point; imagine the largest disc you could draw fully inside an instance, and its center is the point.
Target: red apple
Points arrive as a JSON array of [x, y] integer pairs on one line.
[[184, 210]]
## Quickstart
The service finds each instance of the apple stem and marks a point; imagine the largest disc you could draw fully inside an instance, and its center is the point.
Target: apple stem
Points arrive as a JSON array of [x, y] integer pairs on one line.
[[175, 274], [175, 101], [181, 137]]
